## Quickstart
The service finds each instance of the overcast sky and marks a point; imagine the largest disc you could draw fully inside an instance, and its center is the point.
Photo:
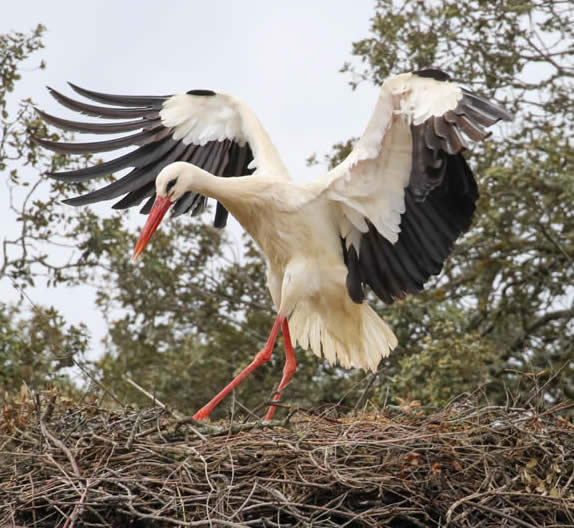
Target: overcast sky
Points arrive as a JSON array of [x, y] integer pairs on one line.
[[283, 59]]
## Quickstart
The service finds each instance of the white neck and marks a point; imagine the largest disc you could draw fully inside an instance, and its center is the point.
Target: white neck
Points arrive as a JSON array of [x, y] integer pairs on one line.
[[225, 190]]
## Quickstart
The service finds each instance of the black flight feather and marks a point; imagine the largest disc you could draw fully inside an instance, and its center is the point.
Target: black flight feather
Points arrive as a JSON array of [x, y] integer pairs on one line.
[[156, 148], [121, 100], [97, 128], [103, 111]]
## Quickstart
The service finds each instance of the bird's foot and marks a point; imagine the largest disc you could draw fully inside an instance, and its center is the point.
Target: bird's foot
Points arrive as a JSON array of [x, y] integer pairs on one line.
[[202, 414]]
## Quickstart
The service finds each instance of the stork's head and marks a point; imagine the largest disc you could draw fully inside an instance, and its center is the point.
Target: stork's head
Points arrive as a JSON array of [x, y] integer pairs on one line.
[[173, 181], [169, 186]]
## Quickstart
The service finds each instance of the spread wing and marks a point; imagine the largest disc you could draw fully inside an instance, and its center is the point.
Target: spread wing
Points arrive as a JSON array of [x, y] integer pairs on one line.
[[213, 131], [405, 192]]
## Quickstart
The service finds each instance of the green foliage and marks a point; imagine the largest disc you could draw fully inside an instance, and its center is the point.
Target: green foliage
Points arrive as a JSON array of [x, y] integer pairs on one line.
[[35, 349], [195, 310], [47, 233], [36, 346], [445, 359], [508, 287], [16, 48]]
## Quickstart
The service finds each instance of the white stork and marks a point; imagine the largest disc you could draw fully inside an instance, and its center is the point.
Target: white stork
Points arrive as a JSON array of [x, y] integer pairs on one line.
[[386, 217]]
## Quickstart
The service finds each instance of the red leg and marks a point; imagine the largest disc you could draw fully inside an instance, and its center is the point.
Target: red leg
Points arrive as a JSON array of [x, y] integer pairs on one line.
[[288, 369], [261, 357]]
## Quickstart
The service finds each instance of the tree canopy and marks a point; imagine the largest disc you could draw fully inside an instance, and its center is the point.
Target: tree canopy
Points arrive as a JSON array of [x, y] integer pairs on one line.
[[500, 314]]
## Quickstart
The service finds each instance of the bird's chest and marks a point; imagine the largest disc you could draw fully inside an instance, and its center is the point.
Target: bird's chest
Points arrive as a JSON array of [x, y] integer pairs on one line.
[[282, 226], [281, 236]]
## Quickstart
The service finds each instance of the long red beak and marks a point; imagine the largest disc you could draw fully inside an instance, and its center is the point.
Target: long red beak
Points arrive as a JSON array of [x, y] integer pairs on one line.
[[160, 207]]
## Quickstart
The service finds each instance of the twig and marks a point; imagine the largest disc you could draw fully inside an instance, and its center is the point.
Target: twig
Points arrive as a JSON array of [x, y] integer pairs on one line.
[[133, 432], [364, 395], [58, 443], [152, 397]]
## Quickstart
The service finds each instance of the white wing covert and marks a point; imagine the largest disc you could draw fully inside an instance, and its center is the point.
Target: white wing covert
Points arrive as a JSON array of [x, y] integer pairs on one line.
[[213, 131], [405, 192]]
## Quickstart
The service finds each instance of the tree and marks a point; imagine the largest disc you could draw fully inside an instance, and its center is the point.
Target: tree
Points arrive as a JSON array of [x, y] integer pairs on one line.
[[502, 306], [507, 290], [34, 347], [205, 326]]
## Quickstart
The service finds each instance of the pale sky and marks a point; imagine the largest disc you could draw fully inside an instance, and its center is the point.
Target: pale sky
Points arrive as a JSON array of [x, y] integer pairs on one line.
[[282, 58]]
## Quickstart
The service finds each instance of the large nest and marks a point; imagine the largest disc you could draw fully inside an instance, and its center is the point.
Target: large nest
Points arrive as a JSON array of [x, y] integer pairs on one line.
[[466, 466]]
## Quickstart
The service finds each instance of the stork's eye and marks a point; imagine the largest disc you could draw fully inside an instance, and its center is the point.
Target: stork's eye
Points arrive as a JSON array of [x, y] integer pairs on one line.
[[170, 185]]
